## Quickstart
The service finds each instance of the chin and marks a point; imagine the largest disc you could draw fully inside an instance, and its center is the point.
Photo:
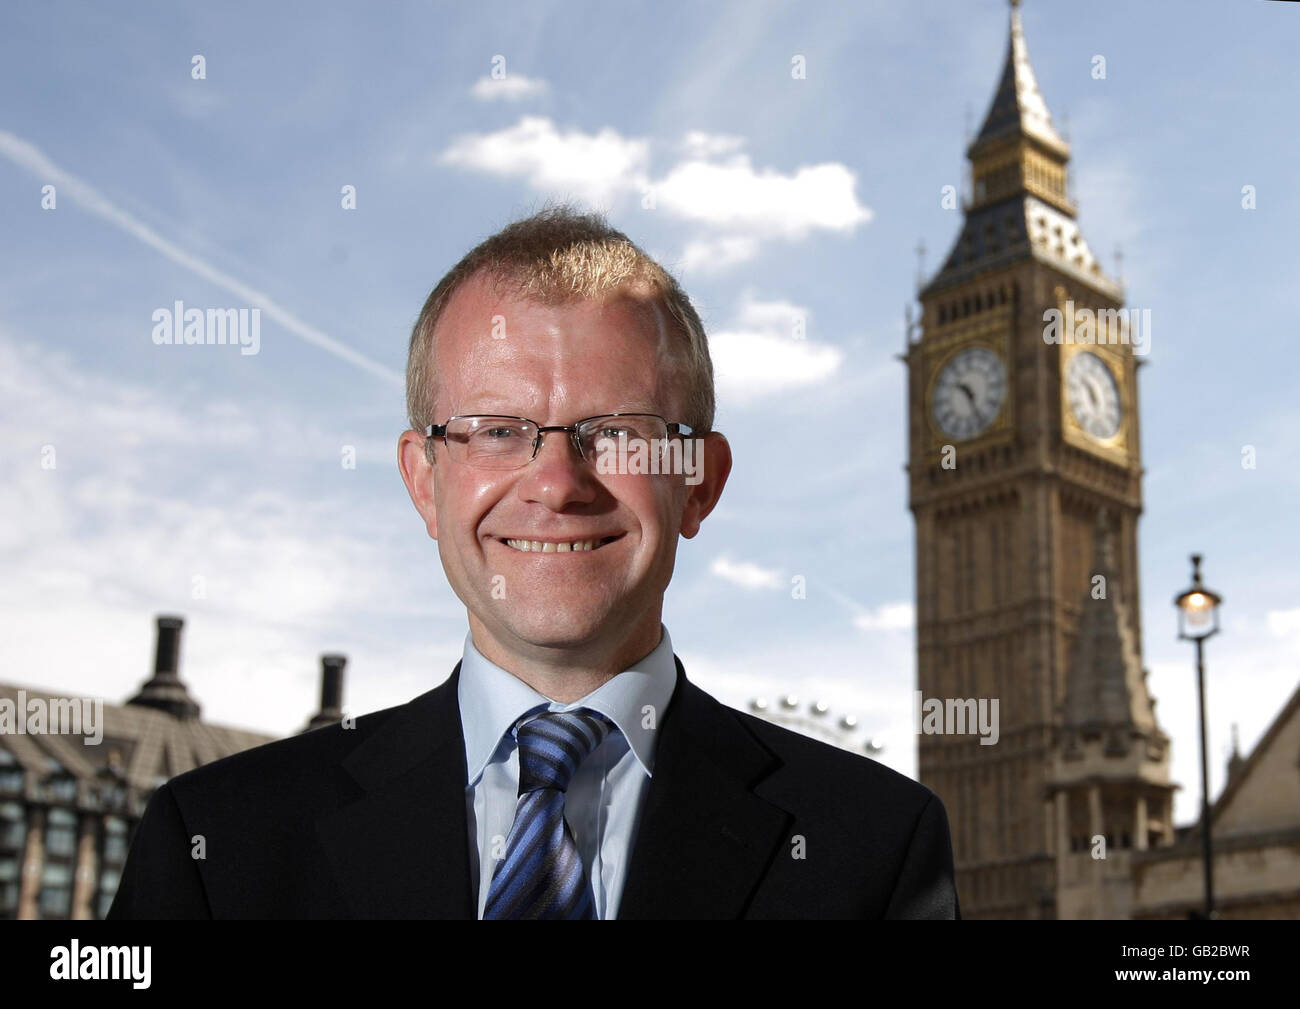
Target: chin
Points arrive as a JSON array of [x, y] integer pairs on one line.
[[557, 629]]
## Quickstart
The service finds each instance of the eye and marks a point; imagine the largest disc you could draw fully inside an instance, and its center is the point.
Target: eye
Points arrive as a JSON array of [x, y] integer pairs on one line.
[[498, 433]]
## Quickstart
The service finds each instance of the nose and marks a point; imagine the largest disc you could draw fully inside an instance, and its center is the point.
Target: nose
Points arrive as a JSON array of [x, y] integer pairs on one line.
[[560, 434], [558, 476]]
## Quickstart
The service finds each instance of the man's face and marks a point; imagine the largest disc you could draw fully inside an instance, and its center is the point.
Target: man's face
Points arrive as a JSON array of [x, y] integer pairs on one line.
[[557, 364]]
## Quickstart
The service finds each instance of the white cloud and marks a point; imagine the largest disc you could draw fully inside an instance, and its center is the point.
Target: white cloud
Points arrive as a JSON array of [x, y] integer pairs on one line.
[[712, 255], [698, 144], [140, 503], [733, 197], [766, 350], [713, 186], [1285, 624], [887, 617], [592, 166], [775, 315], [510, 88], [97, 515], [745, 574]]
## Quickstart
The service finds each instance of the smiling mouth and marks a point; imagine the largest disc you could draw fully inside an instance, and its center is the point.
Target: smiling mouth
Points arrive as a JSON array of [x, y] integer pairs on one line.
[[559, 546]]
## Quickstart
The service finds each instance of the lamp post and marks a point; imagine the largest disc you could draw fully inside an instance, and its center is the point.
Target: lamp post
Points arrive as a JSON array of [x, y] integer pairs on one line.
[[1198, 619]]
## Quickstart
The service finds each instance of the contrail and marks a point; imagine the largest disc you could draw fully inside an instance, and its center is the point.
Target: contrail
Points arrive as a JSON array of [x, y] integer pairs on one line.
[[30, 157]]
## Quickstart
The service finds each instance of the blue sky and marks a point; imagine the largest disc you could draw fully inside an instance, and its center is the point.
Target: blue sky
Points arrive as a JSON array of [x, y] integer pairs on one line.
[[774, 199]]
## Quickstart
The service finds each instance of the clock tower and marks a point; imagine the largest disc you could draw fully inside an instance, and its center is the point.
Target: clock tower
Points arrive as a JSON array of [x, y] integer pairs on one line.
[[1023, 458]]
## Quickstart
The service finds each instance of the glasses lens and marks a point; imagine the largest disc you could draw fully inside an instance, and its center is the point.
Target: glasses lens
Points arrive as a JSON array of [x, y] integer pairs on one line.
[[491, 442], [630, 433]]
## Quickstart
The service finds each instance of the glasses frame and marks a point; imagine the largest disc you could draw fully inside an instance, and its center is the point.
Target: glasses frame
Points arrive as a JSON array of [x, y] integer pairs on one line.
[[439, 431]]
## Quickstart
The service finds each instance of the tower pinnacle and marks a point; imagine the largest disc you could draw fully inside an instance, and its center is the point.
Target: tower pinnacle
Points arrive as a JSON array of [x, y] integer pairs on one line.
[[1020, 206]]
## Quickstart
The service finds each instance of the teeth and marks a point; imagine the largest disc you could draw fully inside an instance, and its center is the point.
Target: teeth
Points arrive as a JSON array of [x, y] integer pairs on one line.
[[551, 547]]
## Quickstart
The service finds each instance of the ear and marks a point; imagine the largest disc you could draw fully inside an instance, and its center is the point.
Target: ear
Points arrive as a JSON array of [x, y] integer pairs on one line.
[[419, 474], [713, 459]]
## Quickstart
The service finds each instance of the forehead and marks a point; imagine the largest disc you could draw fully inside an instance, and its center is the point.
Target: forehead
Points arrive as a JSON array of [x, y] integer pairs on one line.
[[495, 349]]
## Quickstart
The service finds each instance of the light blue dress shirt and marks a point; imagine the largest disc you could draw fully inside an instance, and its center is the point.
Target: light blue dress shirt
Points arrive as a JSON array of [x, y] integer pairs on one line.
[[604, 799]]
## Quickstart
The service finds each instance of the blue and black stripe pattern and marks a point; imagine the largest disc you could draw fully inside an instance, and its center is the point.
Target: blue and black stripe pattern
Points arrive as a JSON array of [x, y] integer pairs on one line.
[[542, 875]]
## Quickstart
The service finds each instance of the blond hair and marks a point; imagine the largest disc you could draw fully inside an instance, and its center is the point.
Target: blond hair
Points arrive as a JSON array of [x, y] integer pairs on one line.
[[554, 256]]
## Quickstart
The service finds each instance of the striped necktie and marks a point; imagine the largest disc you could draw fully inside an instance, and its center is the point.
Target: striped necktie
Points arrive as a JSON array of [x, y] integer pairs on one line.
[[542, 875]]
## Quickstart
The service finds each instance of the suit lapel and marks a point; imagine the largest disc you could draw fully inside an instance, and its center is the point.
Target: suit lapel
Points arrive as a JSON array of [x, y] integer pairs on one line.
[[400, 849], [704, 838]]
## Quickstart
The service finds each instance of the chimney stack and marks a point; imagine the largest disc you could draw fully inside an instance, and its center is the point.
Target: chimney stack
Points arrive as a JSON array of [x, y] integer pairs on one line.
[[165, 691], [167, 651], [331, 691]]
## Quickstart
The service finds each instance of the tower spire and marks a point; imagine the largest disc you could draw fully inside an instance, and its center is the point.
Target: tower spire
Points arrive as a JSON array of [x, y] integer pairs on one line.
[[1018, 106], [1020, 206]]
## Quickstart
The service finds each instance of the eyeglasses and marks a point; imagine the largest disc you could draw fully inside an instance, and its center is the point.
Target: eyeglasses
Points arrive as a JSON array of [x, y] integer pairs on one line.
[[495, 442]]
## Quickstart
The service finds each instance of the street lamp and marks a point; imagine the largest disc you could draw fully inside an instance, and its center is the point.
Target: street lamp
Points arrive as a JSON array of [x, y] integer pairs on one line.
[[1198, 619]]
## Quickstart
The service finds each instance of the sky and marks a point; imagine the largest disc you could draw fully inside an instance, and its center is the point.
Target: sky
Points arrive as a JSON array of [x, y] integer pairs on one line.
[[783, 161]]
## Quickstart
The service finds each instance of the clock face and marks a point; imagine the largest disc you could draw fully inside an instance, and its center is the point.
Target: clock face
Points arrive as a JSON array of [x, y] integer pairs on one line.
[[969, 393], [1093, 395]]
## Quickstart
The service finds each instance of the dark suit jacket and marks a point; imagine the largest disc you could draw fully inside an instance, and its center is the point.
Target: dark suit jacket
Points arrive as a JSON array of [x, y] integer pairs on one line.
[[370, 822]]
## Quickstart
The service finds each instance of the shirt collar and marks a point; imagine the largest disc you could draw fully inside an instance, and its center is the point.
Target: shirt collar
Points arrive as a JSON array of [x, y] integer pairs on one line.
[[493, 699]]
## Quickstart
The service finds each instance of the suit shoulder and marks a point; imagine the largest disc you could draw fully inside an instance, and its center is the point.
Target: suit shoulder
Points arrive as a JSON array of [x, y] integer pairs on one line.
[[281, 764]]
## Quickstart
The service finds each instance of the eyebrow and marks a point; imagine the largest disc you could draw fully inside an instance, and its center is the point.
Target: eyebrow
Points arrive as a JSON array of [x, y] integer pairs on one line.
[[511, 411]]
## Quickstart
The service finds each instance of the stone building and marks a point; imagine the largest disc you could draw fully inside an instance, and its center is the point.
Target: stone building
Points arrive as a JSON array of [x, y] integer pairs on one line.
[[1025, 483], [1255, 827], [1016, 446], [69, 802]]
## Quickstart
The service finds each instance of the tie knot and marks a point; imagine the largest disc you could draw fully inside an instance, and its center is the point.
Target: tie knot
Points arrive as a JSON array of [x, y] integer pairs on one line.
[[554, 743]]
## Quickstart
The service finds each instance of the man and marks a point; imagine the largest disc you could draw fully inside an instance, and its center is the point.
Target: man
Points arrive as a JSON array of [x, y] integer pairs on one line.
[[561, 401]]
